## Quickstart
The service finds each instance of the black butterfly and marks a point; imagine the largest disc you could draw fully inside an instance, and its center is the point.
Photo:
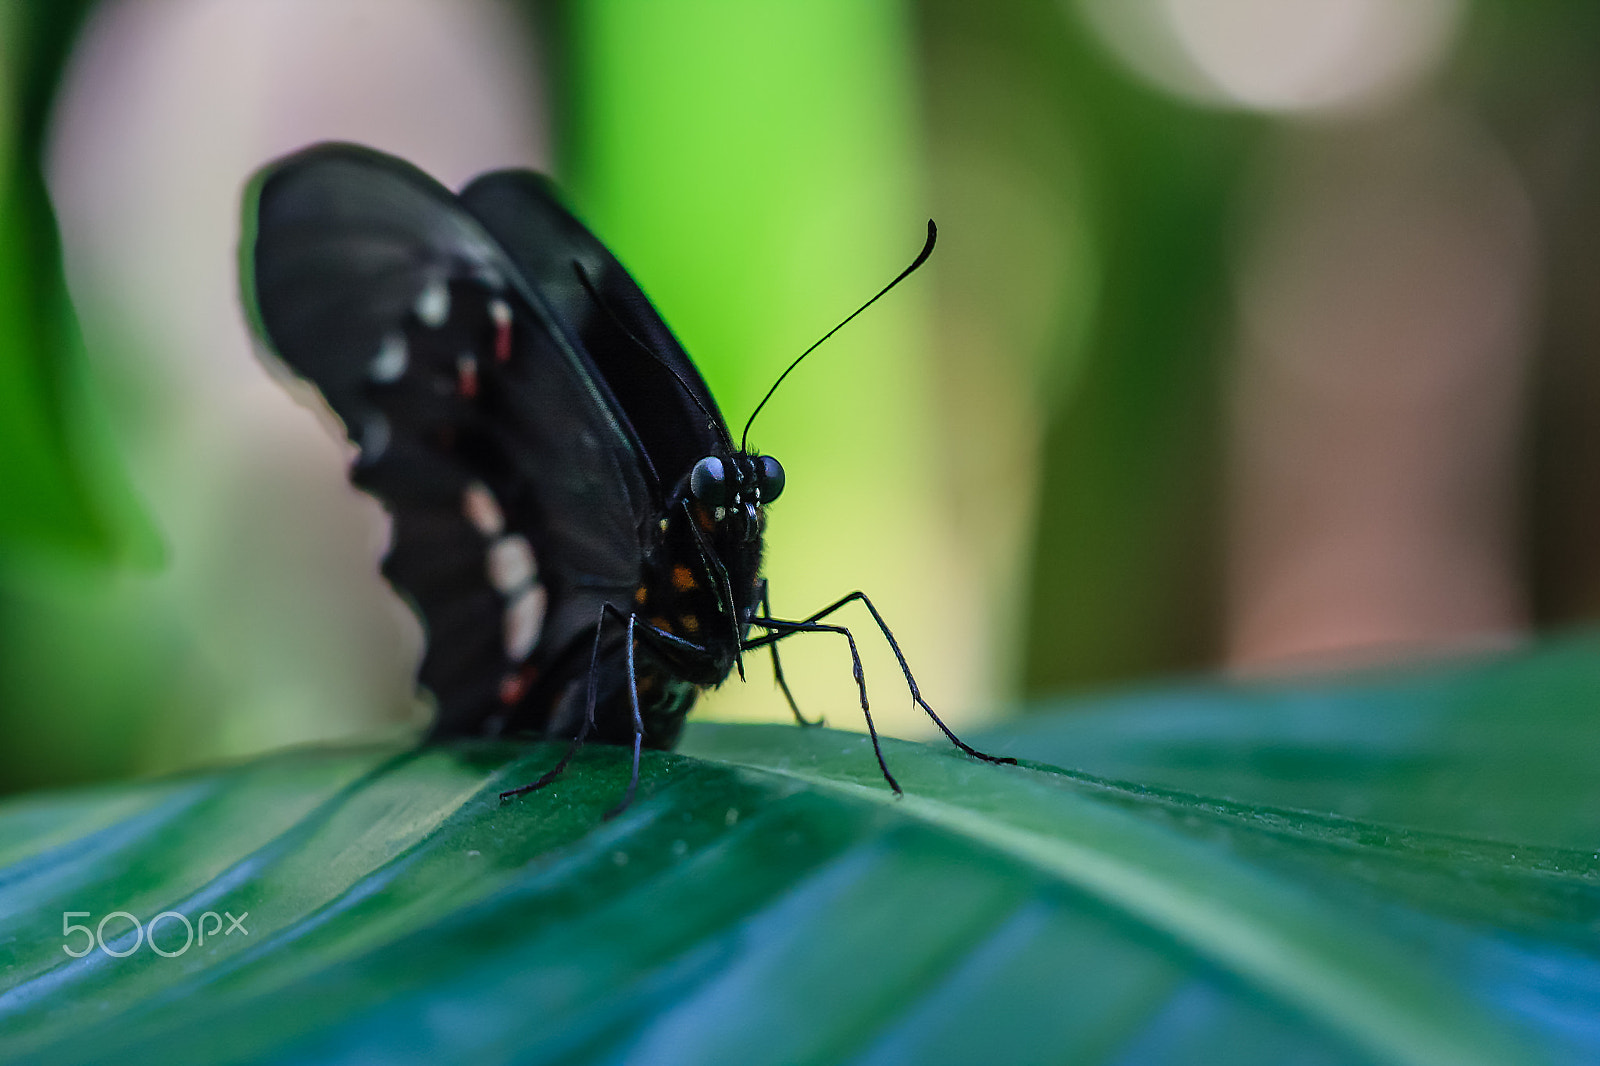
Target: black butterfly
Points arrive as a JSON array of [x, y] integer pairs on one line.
[[573, 522]]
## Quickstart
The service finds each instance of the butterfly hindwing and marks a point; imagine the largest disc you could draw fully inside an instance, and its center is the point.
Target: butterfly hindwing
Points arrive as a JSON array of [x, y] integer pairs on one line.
[[518, 496]]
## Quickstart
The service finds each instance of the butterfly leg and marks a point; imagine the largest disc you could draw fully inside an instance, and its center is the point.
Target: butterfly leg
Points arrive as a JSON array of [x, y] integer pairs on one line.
[[911, 682], [713, 563], [777, 666], [779, 630], [661, 636], [588, 716], [638, 720], [631, 621]]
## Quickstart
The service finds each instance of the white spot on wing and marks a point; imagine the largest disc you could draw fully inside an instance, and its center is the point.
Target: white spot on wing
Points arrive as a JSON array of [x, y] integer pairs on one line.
[[375, 437], [390, 362], [510, 563], [433, 305], [524, 618], [481, 509]]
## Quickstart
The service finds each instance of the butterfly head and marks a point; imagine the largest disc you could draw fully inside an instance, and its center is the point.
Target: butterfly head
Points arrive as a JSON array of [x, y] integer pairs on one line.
[[736, 487]]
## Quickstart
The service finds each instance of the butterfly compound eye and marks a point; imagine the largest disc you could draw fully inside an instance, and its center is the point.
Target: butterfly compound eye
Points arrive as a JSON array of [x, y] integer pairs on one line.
[[708, 482], [769, 478]]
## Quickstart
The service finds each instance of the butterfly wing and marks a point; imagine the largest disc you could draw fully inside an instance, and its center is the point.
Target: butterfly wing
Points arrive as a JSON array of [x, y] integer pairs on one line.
[[518, 496], [663, 399]]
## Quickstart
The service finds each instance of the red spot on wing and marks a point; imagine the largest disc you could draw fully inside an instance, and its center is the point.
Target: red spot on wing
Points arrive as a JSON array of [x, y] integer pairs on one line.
[[467, 376], [515, 686], [500, 314]]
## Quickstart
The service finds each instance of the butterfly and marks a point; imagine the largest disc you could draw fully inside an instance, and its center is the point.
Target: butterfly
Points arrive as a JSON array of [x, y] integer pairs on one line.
[[573, 522]]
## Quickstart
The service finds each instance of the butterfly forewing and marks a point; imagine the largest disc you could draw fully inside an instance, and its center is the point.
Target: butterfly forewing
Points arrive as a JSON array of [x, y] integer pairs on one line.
[[658, 392]]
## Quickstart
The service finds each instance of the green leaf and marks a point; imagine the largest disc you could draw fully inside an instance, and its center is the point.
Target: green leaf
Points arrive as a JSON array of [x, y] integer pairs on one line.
[[1376, 871], [61, 491]]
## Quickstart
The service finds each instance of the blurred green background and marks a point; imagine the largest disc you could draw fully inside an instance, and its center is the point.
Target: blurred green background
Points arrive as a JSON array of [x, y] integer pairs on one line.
[[1260, 337]]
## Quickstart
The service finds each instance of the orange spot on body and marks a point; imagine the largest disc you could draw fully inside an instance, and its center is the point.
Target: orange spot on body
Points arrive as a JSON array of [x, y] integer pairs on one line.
[[682, 578], [662, 624], [703, 518], [640, 595], [689, 622]]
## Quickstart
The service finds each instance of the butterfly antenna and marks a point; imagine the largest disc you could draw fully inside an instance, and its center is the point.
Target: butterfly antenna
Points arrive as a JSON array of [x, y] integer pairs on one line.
[[922, 257], [594, 294]]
